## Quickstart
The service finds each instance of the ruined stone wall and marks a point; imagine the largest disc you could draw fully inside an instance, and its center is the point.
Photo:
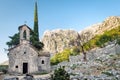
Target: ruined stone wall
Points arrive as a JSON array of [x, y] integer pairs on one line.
[[96, 53]]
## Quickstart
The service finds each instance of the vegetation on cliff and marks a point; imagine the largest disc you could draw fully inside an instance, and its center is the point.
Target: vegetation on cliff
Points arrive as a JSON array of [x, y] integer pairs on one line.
[[101, 40], [64, 55], [97, 41]]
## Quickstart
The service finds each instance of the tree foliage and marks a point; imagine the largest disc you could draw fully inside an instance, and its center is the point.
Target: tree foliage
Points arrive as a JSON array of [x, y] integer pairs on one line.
[[14, 40], [34, 39], [101, 40], [35, 33], [35, 42], [59, 57], [35, 30], [60, 74], [64, 55], [75, 51]]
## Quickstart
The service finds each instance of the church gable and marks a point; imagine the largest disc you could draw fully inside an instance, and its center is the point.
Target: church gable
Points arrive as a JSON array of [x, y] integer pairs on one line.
[[24, 50]]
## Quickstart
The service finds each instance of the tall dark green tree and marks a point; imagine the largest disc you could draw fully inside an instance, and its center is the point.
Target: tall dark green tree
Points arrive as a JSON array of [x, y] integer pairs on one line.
[[35, 33], [34, 39], [36, 28]]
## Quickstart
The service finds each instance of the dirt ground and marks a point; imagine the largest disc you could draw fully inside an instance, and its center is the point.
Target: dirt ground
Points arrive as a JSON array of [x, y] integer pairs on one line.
[[1, 76]]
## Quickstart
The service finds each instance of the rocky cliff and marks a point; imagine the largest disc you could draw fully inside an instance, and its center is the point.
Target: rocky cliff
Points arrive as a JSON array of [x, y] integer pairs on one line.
[[57, 40], [96, 29]]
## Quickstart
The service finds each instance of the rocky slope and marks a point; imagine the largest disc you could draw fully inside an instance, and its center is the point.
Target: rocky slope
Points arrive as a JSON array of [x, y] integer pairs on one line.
[[101, 64], [108, 24], [56, 40]]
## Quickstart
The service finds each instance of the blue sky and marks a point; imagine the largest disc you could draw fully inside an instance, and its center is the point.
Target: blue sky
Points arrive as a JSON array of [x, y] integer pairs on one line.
[[53, 14]]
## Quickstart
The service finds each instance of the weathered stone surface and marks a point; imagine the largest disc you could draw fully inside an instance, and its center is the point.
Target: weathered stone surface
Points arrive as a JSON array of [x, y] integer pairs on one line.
[[57, 40], [24, 58], [23, 54], [108, 24], [27, 77], [101, 64]]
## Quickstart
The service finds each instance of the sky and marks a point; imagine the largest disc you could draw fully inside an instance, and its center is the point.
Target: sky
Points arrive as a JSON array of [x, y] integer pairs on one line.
[[52, 14]]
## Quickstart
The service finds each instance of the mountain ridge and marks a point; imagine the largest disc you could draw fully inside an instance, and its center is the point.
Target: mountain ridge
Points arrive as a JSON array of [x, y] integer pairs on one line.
[[57, 40]]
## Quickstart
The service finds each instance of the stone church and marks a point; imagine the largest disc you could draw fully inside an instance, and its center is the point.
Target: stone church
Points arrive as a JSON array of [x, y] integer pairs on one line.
[[24, 58]]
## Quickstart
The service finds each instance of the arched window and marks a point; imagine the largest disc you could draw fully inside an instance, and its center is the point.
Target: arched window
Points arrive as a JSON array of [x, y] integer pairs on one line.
[[24, 34], [42, 61]]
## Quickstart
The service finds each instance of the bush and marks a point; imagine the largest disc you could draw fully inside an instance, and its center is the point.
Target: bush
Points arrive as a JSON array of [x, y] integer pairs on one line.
[[107, 73], [64, 55], [118, 41], [4, 71], [107, 36], [59, 57], [75, 51], [60, 74], [3, 68]]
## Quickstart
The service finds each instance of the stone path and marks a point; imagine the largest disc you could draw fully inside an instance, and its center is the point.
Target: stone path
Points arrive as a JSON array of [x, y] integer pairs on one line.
[[36, 77]]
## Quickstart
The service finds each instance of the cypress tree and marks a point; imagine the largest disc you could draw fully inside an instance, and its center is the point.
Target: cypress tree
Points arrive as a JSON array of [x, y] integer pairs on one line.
[[36, 32]]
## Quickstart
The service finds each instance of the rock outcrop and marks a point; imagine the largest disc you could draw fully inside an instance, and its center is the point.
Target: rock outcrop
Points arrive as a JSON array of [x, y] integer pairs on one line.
[[108, 24], [57, 40], [101, 64]]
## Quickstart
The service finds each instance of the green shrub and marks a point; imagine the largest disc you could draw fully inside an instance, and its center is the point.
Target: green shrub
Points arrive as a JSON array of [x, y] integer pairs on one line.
[[73, 66], [75, 51], [60, 74], [3, 68], [100, 40], [97, 41], [107, 73], [59, 57], [64, 55]]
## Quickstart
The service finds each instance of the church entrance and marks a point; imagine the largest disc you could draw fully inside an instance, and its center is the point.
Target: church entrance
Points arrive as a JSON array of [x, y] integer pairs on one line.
[[25, 68]]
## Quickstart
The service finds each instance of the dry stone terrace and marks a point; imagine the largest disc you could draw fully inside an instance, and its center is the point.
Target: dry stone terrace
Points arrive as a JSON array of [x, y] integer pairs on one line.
[[102, 64]]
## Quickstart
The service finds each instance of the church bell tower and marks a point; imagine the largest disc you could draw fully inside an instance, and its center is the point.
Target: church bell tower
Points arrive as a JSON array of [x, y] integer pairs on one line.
[[24, 34]]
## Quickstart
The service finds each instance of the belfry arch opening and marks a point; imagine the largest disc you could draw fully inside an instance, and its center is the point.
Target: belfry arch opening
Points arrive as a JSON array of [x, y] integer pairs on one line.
[[24, 34]]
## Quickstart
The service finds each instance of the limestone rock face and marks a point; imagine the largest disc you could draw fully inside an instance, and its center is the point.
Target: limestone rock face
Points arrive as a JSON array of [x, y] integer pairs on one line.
[[57, 40], [108, 24]]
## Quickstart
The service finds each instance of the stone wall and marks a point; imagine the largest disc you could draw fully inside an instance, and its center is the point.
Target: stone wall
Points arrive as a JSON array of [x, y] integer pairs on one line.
[[27, 31], [97, 53], [22, 54], [44, 64]]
